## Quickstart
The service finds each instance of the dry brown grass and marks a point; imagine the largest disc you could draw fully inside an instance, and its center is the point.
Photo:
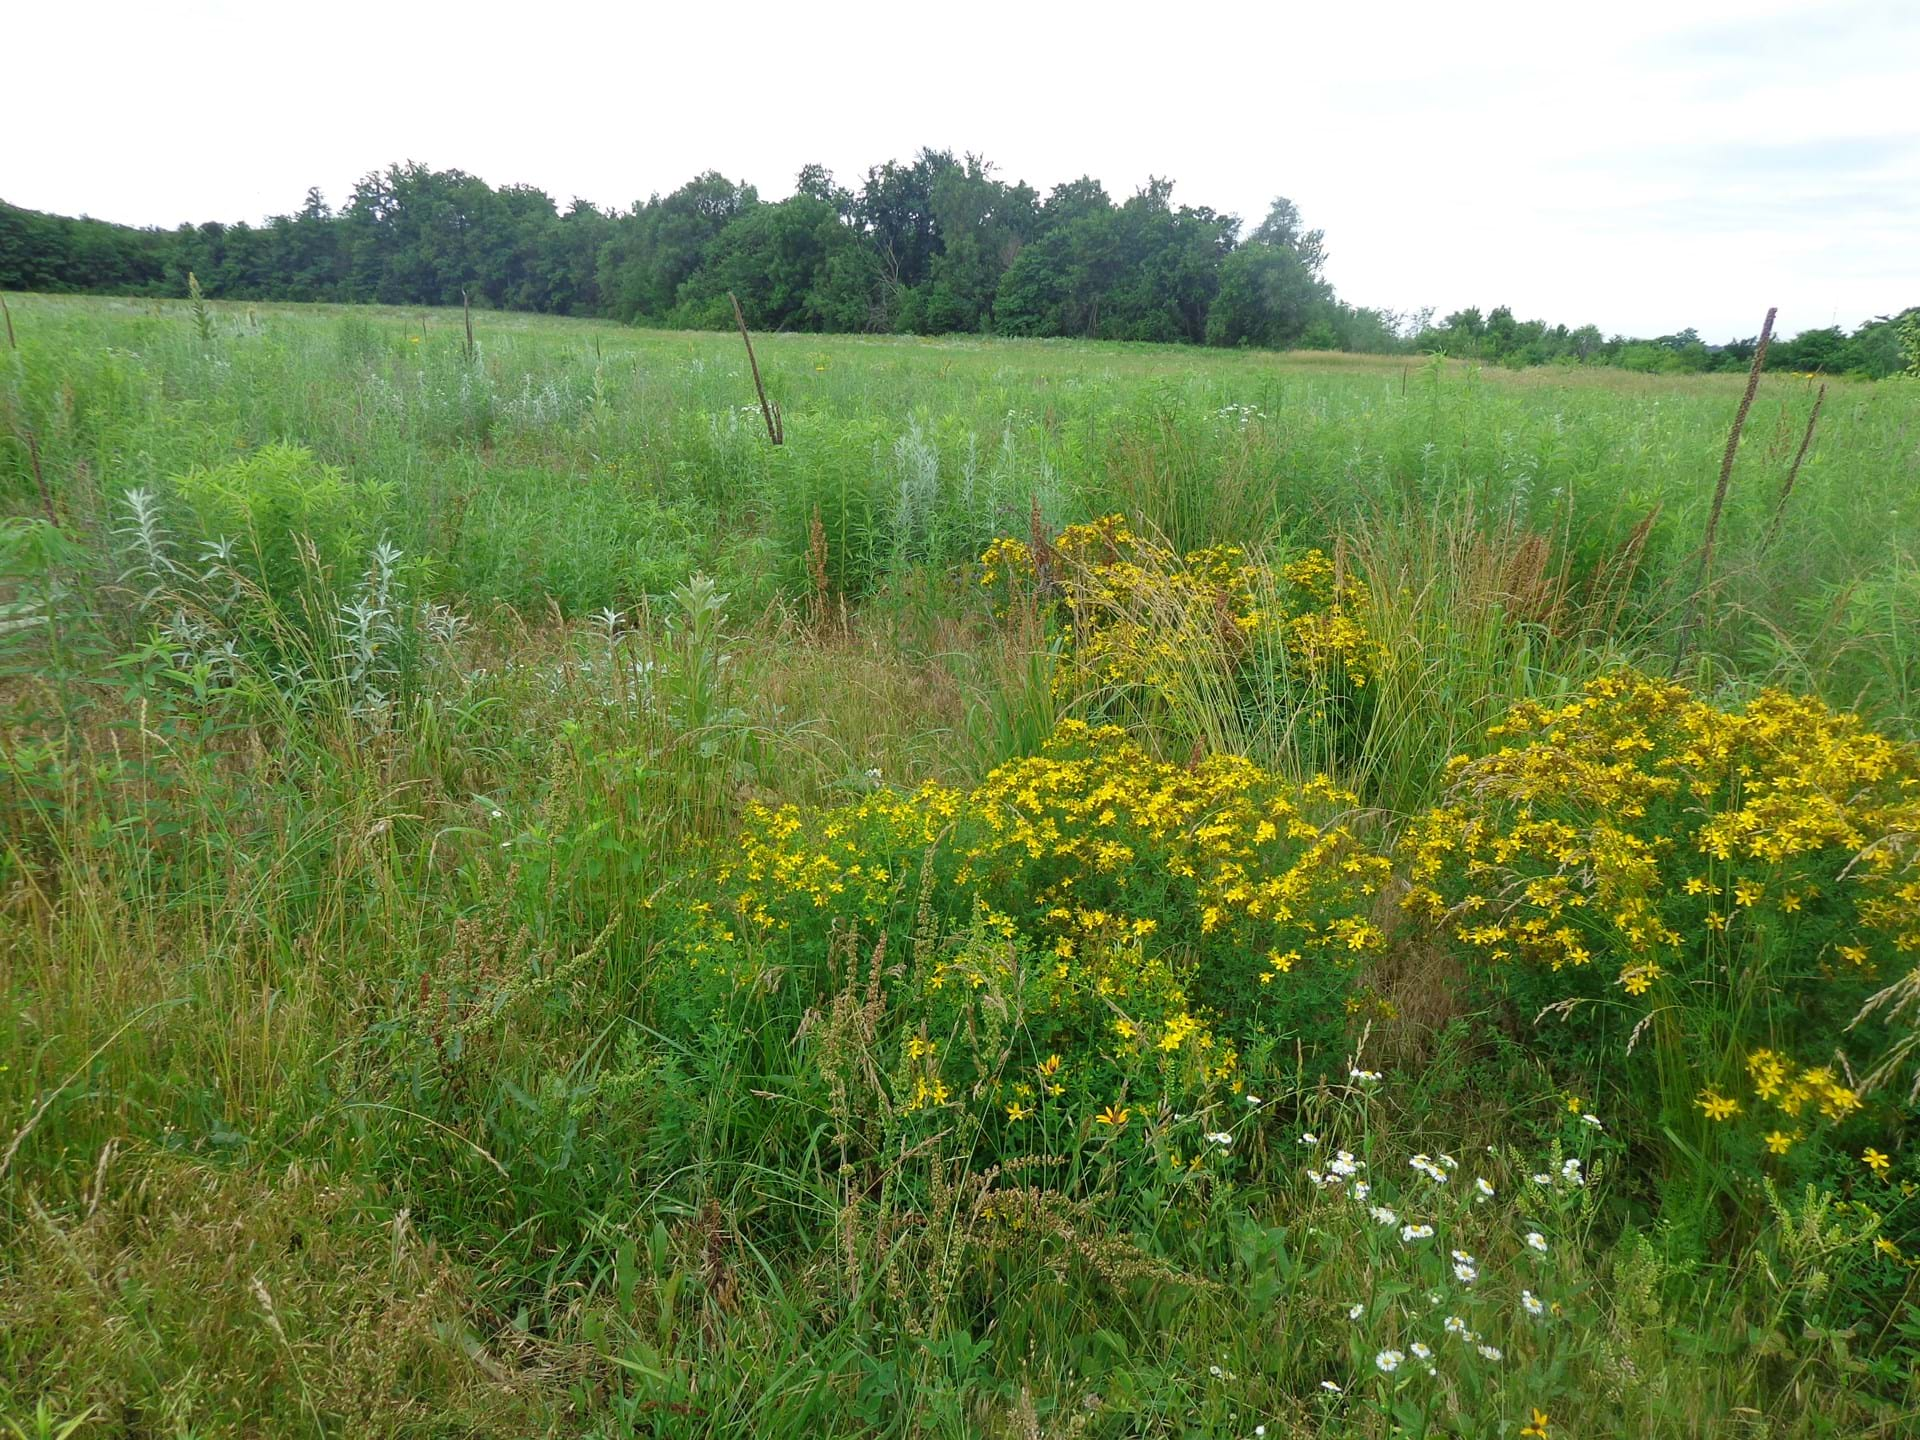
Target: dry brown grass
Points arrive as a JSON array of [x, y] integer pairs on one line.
[[311, 1309]]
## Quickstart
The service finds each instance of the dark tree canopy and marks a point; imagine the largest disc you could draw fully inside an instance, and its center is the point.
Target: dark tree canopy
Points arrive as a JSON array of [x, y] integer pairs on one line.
[[932, 245]]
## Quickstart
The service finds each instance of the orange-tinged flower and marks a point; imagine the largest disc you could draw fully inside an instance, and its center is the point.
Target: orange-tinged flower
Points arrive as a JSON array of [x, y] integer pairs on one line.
[[1115, 1116]]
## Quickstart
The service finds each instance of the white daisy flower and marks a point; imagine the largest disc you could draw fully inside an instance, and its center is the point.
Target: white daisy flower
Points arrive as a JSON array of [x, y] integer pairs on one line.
[[1593, 1120], [1455, 1325], [1411, 1233], [1420, 1350], [1219, 1137], [1307, 1137], [1488, 1352], [1485, 1187], [1356, 1311], [1464, 1272], [1361, 1190], [1330, 1387], [1531, 1303], [1383, 1216], [1388, 1361], [1536, 1241]]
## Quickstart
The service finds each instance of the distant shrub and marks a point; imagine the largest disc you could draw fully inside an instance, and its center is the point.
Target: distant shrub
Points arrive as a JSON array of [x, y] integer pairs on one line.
[[274, 503]]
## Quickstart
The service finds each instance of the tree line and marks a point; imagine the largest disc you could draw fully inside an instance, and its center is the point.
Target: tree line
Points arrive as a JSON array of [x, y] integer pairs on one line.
[[939, 244]]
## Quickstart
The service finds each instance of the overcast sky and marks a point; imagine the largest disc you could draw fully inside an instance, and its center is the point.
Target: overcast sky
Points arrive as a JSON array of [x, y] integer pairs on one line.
[[1641, 164]]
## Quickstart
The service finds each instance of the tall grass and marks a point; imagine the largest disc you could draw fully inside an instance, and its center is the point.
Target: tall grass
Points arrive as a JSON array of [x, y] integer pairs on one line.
[[375, 719]]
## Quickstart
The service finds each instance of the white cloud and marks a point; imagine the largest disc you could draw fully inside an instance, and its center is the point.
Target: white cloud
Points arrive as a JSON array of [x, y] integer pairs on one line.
[[1645, 165]]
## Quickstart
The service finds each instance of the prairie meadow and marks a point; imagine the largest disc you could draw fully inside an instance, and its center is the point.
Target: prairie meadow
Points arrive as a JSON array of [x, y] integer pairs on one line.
[[1093, 889]]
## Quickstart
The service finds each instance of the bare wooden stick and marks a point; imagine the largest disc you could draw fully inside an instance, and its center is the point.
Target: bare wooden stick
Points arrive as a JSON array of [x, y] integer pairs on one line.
[[46, 495], [769, 413], [466, 307], [12, 344], [1793, 471], [1720, 489]]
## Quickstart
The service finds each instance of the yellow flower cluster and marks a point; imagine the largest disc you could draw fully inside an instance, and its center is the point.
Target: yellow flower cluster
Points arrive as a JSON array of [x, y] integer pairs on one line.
[[1128, 902], [1225, 832], [1142, 616], [1753, 864]]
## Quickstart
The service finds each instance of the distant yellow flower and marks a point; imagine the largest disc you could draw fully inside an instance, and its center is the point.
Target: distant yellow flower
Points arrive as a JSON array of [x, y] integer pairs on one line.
[[1875, 1161], [1715, 1106], [1887, 1247], [1114, 1116], [1050, 1065], [1779, 1142], [1017, 1111], [1537, 1428], [1575, 1104]]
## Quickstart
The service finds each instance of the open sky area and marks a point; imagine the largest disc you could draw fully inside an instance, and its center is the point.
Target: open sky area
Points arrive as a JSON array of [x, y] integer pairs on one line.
[[1643, 166]]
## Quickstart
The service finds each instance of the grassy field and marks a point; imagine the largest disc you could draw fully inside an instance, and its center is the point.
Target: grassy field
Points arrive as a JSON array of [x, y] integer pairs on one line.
[[1095, 890]]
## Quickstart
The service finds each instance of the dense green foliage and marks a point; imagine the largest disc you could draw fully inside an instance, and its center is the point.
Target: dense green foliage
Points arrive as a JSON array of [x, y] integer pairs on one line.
[[936, 246], [528, 910]]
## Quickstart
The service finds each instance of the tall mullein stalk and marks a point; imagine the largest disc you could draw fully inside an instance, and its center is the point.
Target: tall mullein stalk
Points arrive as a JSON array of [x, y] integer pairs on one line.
[[1793, 471], [1685, 638], [202, 313]]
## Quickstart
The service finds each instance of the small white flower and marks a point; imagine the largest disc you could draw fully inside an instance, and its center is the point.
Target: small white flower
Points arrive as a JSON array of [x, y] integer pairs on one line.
[[1365, 1077], [1411, 1233], [1361, 1190], [1215, 1371], [1383, 1215], [1455, 1325], [1316, 1177], [1462, 1257], [1488, 1352], [1485, 1187], [1388, 1361], [1219, 1137], [1593, 1120], [499, 815], [1259, 1430], [1420, 1351], [1543, 1179], [1464, 1272], [1356, 1312], [1307, 1137], [1531, 1303], [1253, 1099], [1448, 1161], [1536, 1241], [1330, 1387]]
